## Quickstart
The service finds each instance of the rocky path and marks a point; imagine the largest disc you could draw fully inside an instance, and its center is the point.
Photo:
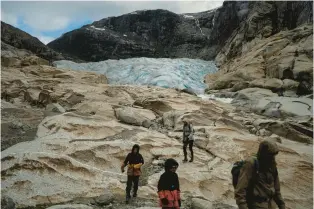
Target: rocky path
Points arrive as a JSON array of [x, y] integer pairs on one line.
[[83, 136]]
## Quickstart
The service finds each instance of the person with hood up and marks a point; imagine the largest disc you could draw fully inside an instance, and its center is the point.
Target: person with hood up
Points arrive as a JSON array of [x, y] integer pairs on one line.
[[258, 184], [134, 160], [188, 139], [169, 187]]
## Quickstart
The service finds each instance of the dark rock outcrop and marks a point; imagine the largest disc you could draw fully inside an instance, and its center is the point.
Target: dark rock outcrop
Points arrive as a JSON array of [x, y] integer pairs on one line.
[[13, 38]]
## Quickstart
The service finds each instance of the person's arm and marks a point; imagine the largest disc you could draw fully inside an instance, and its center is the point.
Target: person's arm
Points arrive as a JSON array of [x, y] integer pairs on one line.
[[141, 162], [179, 192], [191, 132], [277, 197], [126, 161], [161, 193], [243, 183]]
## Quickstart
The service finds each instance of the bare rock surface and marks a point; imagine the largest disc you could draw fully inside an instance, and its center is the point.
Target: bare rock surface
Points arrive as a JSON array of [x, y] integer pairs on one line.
[[75, 156]]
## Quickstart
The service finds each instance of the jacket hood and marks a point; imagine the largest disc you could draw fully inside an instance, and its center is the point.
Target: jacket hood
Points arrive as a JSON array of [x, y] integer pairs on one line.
[[170, 163], [136, 146], [267, 148]]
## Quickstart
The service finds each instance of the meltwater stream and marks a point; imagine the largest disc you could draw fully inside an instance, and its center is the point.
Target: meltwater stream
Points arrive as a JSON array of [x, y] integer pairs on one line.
[[169, 73]]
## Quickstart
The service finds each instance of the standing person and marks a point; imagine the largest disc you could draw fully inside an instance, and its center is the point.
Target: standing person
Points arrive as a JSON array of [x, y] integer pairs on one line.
[[169, 187], [188, 139], [258, 184], [134, 160]]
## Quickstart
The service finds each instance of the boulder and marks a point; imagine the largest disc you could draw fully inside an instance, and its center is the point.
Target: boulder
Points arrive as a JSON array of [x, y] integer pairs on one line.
[[75, 98], [284, 106], [134, 116], [289, 84], [157, 106], [250, 96], [267, 83]]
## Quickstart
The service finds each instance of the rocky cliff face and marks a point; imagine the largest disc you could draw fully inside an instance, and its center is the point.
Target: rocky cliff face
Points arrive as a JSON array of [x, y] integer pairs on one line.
[[153, 33], [272, 48], [16, 38]]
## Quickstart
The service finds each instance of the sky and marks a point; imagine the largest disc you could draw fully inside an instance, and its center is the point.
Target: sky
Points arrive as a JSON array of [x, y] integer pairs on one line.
[[48, 20]]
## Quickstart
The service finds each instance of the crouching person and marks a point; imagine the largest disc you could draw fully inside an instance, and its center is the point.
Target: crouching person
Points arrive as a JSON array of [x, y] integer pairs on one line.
[[134, 160], [168, 186]]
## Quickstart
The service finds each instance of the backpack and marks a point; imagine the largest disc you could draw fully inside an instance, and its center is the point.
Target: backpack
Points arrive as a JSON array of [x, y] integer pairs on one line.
[[236, 168]]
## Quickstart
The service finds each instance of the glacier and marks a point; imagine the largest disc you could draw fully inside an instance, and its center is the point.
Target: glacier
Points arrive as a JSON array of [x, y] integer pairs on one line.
[[181, 73]]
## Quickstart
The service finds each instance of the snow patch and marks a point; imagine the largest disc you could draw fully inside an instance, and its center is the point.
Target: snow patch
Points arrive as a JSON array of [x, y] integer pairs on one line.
[[133, 13], [188, 16], [169, 73], [102, 29], [213, 97], [124, 35]]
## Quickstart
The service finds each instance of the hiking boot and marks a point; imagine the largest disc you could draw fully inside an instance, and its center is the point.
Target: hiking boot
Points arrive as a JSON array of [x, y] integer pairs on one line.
[[185, 160], [191, 160], [134, 195], [127, 199]]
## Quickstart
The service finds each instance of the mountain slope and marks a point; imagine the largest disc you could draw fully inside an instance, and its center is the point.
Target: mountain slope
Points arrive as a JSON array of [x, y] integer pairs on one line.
[[151, 33], [21, 40]]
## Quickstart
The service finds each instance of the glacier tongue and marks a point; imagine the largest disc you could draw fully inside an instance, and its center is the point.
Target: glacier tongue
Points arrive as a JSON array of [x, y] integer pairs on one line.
[[169, 73]]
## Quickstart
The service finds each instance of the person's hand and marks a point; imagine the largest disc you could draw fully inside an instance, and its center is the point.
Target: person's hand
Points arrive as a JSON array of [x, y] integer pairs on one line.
[[138, 165], [164, 201], [122, 169]]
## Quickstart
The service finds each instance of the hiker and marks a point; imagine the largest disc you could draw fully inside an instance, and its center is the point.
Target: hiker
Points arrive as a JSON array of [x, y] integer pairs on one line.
[[258, 184], [169, 187], [134, 160], [188, 139]]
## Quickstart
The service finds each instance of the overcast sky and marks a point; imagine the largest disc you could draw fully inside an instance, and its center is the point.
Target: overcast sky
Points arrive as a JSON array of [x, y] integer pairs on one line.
[[47, 20]]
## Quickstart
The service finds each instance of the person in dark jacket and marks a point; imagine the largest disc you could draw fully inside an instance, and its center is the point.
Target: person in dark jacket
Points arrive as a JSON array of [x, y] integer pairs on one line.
[[134, 160], [259, 188], [169, 187]]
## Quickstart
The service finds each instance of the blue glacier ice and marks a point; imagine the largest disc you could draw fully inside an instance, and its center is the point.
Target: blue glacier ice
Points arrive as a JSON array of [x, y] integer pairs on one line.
[[169, 73]]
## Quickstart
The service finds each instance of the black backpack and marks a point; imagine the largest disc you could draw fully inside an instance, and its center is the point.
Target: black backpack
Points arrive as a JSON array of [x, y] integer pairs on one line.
[[235, 171]]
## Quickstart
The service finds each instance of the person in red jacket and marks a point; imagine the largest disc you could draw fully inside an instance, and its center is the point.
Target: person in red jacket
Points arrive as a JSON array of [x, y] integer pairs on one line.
[[169, 187]]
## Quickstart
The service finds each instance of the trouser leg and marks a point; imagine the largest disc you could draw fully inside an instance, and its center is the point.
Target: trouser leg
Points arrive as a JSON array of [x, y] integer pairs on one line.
[[128, 186], [135, 184], [184, 151], [191, 149]]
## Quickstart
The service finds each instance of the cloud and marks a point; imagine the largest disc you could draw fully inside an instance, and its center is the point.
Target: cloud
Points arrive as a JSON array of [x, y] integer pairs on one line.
[[52, 16]]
